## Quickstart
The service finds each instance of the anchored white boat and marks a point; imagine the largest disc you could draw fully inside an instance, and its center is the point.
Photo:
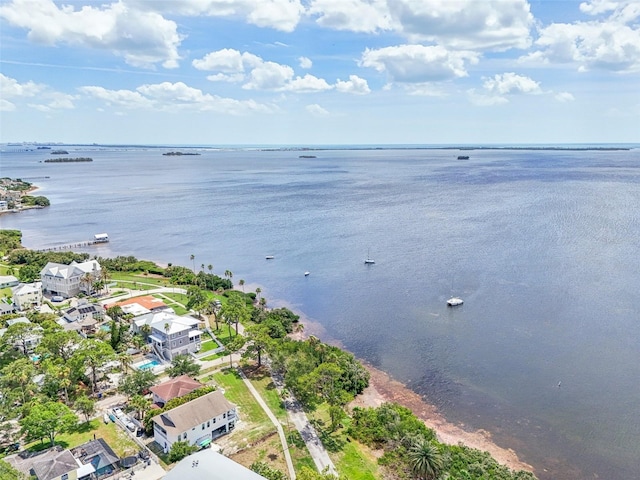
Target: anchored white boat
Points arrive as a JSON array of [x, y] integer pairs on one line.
[[269, 257], [306, 274], [454, 302], [369, 260]]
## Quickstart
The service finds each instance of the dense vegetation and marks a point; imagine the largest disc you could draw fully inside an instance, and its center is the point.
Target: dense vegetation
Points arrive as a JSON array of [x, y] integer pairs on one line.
[[37, 201]]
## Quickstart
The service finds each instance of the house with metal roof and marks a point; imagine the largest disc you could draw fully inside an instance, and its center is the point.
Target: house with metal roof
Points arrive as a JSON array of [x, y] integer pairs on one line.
[[69, 280], [170, 334], [210, 465], [197, 422]]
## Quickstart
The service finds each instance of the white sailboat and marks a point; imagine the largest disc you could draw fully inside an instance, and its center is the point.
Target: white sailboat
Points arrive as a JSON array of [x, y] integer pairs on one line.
[[369, 260]]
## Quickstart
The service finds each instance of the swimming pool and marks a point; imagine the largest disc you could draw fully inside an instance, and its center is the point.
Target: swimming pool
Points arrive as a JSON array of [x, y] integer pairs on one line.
[[148, 365]]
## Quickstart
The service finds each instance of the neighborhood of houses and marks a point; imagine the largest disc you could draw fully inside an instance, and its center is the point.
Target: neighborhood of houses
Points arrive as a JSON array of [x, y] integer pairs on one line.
[[198, 422]]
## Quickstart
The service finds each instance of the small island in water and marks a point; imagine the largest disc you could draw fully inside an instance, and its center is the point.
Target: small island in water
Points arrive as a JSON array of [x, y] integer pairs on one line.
[[177, 154], [59, 152], [68, 160]]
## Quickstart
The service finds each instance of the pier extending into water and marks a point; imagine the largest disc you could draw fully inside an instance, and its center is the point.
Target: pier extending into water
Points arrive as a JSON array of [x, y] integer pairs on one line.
[[98, 239]]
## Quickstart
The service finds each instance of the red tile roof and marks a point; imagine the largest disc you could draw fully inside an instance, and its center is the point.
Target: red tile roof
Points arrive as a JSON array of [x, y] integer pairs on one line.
[[176, 387], [146, 301]]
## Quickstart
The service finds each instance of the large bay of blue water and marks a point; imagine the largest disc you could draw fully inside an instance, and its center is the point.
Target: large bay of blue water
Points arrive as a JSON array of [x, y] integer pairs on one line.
[[543, 246]]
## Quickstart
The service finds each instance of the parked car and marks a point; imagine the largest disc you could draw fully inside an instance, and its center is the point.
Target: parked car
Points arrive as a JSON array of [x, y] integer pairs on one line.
[[118, 413]]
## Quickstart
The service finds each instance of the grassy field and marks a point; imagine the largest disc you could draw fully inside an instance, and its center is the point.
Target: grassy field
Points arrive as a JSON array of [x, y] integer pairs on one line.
[[236, 392], [138, 278], [119, 441]]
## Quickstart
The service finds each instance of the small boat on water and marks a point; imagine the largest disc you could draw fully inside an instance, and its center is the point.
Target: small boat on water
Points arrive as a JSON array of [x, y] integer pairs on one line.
[[306, 274], [269, 257], [463, 157], [454, 302], [369, 260]]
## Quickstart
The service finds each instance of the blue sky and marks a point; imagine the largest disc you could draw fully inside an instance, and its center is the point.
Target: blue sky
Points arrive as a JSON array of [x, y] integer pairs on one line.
[[320, 71]]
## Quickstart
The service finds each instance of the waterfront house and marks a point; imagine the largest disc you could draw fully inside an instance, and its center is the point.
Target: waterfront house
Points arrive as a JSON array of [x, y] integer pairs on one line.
[[197, 422], [208, 465], [69, 280], [8, 281], [27, 295], [173, 388], [170, 334]]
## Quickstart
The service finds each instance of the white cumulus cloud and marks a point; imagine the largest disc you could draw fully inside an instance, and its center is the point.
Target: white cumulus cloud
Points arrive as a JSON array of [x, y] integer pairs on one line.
[[511, 83], [10, 87], [366, 16], [418, 63], [142, 38], [168, 96], [355, 85], [305, 62], [465, 24], [258, 74], [282, 15], [611, 43]]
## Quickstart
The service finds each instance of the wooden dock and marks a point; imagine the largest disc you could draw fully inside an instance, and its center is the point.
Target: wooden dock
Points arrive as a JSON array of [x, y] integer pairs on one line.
[[69, 246]]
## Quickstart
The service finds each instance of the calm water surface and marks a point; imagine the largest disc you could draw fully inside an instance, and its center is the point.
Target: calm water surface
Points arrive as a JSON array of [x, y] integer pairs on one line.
[[542, 245]]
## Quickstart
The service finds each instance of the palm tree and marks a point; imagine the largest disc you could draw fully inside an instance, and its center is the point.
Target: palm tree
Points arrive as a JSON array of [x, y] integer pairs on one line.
[[125, 361], [87, 281], [210, 268], [258, 292], [104, 277], [228, 274], [425, 459], [192, 257], [241, 283]]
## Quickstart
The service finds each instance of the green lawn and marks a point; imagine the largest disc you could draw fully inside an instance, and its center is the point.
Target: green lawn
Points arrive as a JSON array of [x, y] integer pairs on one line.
[[261, 380], [208, 345], [132, 277], [119, 441], [355, 463], [236, 392]]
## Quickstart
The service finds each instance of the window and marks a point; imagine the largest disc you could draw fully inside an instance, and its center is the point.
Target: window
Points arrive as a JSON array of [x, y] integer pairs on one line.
[[214, 420], [208, 424], [184, 436], [203, 426], [224, 415], [64, 476]]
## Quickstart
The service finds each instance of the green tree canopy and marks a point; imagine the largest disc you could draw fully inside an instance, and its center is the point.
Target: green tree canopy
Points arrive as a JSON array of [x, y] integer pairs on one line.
[[47, 420], [183, 365], [137, 383]]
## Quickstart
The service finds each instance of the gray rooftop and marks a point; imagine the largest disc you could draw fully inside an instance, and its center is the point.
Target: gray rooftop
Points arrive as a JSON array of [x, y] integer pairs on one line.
[[209, 465], [194, 413]]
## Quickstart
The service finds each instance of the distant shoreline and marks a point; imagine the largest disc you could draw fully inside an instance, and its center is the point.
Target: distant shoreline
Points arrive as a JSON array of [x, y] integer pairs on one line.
[[604, 147]]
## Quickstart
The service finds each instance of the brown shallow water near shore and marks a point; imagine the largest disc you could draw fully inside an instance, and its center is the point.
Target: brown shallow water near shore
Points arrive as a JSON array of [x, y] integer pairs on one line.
[[382, 388]]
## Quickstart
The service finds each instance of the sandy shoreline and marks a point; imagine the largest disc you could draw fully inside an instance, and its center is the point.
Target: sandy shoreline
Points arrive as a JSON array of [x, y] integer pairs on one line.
[[382, 388]]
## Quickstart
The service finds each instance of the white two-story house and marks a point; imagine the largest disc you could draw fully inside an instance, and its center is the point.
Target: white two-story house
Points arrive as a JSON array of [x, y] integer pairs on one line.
[[27, 295], [69, 280], [169, 334], [197, 422]]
